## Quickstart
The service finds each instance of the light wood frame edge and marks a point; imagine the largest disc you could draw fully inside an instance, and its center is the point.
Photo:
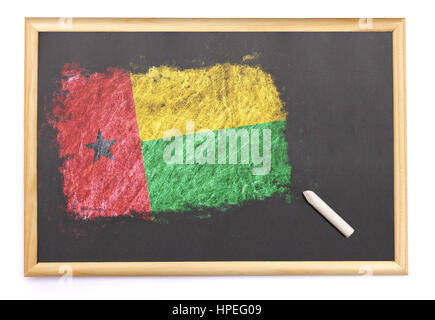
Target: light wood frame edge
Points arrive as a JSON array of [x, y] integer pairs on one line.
[[30, 149], [32, 268], [217, 268], [400, 153]]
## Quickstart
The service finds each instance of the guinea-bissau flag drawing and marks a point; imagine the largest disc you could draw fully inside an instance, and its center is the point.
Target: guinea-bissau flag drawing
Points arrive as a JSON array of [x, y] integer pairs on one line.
[[169, 140]]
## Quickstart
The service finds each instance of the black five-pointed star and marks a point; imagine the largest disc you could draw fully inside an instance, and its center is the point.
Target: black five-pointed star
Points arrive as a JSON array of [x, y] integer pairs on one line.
[[101, 147]]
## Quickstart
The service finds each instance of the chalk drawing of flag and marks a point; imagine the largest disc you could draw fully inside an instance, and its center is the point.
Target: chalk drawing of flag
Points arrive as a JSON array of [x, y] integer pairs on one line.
[[169, 140]]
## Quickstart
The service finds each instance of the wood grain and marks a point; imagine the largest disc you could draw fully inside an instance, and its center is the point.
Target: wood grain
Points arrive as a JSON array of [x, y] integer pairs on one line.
[[30, 140], [218, 268], [204, 25], [35, 25], [400, 167]]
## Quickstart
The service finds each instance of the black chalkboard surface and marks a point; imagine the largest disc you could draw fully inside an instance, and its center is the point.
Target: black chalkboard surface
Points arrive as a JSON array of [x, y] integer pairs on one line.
[[335, 92]]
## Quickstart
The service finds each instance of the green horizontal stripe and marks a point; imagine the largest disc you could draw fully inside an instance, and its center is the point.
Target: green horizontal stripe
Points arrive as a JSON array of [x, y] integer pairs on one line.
[[192, 186]]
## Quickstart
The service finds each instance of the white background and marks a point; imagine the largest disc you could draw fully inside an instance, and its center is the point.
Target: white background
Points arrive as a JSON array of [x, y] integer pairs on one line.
[[421, 155]]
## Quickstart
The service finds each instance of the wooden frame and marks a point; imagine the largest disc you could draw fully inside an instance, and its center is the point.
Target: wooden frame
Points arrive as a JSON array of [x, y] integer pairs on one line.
[[35, 25]]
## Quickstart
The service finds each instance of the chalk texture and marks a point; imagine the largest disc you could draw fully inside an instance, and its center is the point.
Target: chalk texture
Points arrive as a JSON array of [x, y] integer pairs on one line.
[[217, 97]]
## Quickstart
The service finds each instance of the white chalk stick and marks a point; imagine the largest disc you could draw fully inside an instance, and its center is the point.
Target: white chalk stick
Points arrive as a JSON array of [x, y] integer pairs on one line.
[[328, 213]]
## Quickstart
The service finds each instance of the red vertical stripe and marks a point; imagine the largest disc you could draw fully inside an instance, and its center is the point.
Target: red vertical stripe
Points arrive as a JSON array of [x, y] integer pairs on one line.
[[84, 105]]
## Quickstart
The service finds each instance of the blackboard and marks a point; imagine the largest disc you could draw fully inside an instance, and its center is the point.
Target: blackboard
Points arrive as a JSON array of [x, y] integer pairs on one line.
[[337, 92]]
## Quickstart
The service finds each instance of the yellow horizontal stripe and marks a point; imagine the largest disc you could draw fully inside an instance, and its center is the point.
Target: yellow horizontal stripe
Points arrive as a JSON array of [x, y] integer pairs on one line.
[[218, 97]]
